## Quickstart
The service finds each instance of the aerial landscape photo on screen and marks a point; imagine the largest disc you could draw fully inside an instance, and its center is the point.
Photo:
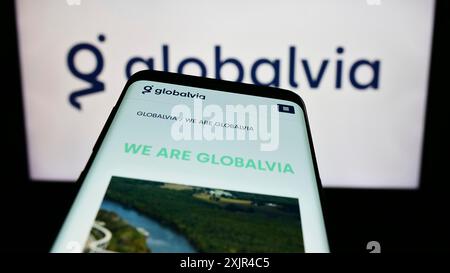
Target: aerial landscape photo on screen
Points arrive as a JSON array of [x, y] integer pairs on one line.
[[157, 217]]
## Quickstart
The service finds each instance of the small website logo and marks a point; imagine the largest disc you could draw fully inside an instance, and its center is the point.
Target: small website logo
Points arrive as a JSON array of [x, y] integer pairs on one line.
[[172, 92], [147, 89]]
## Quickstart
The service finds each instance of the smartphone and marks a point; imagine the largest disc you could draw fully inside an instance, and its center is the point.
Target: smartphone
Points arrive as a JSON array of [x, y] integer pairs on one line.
[[187, 164]]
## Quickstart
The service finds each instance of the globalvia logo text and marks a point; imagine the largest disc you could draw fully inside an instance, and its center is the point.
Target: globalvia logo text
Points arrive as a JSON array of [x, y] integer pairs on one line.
[[314, 71], [164, 91]]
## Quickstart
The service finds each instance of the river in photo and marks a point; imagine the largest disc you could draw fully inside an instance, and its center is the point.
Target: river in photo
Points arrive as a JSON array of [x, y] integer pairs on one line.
[[162, 239]]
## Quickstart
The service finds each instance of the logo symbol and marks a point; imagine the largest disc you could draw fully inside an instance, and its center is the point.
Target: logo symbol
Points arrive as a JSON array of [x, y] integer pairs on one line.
[[92, 77], [147, 89]]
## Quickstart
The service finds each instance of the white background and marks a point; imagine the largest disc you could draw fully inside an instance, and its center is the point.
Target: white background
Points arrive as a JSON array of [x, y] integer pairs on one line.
[[362, 139]]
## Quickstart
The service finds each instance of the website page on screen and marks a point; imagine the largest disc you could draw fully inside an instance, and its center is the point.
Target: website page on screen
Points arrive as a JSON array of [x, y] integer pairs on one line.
[[187, 169]]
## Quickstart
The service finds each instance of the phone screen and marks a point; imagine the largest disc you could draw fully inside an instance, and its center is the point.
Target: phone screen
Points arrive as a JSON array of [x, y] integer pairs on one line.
[[189, 169]]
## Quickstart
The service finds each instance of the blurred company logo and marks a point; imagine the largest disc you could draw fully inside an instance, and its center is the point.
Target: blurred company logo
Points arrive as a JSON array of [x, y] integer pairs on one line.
[[92, 77], [315, 75]]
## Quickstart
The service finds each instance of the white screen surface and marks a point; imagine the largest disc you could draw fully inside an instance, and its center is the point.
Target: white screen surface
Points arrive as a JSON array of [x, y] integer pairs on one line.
[[269, 196], [366, 137]]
